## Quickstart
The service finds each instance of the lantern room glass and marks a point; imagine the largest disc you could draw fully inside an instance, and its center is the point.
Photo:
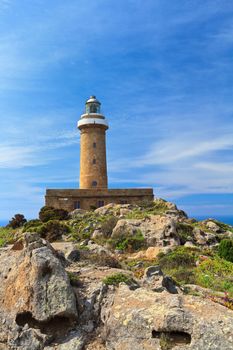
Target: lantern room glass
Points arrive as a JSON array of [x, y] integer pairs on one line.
[[92, 108]]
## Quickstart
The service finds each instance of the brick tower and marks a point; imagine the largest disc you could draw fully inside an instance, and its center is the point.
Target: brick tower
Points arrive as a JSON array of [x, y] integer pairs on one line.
[[93, 165]]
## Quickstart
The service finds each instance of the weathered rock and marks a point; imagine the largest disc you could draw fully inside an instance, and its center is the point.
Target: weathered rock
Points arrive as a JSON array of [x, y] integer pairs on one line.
[[156, 281], [158, 230], [203, 238], [74, 341], [116, 209], [28, 339], [149, 254], [77, 213], [140, 319], [34, 290], [189, 244], [211, 225], [73, 255], [178, 215]]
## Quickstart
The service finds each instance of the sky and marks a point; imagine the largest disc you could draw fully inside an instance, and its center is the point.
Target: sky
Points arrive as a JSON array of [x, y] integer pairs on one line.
[[163, 71]]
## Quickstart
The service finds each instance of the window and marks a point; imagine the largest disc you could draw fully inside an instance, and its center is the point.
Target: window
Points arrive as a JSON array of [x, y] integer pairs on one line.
[[100, 204], [77, 205], [94, 183], [94, 145], [94, 161], [93, 108]]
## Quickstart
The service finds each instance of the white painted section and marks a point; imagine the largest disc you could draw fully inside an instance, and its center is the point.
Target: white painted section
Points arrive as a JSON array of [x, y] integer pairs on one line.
[[88, 121], [94, 115]]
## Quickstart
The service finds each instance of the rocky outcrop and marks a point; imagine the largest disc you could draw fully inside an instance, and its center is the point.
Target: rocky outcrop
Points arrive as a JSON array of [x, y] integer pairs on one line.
[[144, 320], [67, 295], [158, 230], [35, 292]]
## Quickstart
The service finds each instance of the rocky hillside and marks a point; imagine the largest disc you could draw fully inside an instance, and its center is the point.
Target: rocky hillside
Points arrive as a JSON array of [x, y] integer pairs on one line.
[[120, 277]]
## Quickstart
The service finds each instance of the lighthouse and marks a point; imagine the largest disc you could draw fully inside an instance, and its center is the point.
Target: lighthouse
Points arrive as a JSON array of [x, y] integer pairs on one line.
[[93, 164], [93, 191]]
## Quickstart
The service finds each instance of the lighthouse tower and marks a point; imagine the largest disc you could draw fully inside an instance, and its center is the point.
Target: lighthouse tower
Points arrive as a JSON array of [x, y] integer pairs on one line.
[[93, 189], [93, 165]]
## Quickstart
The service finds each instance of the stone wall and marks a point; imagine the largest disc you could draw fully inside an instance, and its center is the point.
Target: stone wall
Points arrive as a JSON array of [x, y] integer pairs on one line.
[[71, 199]]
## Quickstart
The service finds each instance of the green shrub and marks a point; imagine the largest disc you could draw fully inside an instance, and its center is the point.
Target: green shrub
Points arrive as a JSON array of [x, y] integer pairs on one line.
[[181, 256], [74, 279], [184, 232], [17, 221], [118, 278], [180, 264], [82, 228], [225, 249], [128, 242], [100, 259], [31, 225], [53, 230], [50, 213], [7, 236], [216, 274]]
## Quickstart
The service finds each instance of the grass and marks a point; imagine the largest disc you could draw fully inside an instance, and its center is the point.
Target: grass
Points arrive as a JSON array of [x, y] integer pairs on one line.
[[128, 242], [83, 228], [153, 208], [184, 231], [215, 273], [212, 272], [74, 278], [7, 236], [117, 278]]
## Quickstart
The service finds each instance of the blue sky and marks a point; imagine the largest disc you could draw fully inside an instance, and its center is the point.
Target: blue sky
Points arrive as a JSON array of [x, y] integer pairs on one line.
[[163, 70]]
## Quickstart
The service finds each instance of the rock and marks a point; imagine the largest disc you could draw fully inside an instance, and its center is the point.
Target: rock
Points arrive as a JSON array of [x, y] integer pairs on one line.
[[178, 215], [158, 230], [170, 285], [97, 234], [149, 254], [73, 255], [35, 290], [152, 271], [211, 225], [77, 213], [116, 209], [18, 245], [203, 238], [29, 339], [156, 281], [189, 244], [140, 319], [74, 341]]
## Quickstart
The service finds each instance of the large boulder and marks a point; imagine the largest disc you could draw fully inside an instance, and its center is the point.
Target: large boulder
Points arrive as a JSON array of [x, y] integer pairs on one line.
[[144, 320], [202, 238], [35, 291], [158, 230], [116, 209]]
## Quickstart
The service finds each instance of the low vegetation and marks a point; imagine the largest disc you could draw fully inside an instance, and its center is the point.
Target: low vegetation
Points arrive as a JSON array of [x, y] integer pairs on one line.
[[118, 278], [74, 279], [215, 273], [190, 266], [225, 249], [17, 221], [84, 226], [7, 236], [48, 213], [128, 242], [210, 268]]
